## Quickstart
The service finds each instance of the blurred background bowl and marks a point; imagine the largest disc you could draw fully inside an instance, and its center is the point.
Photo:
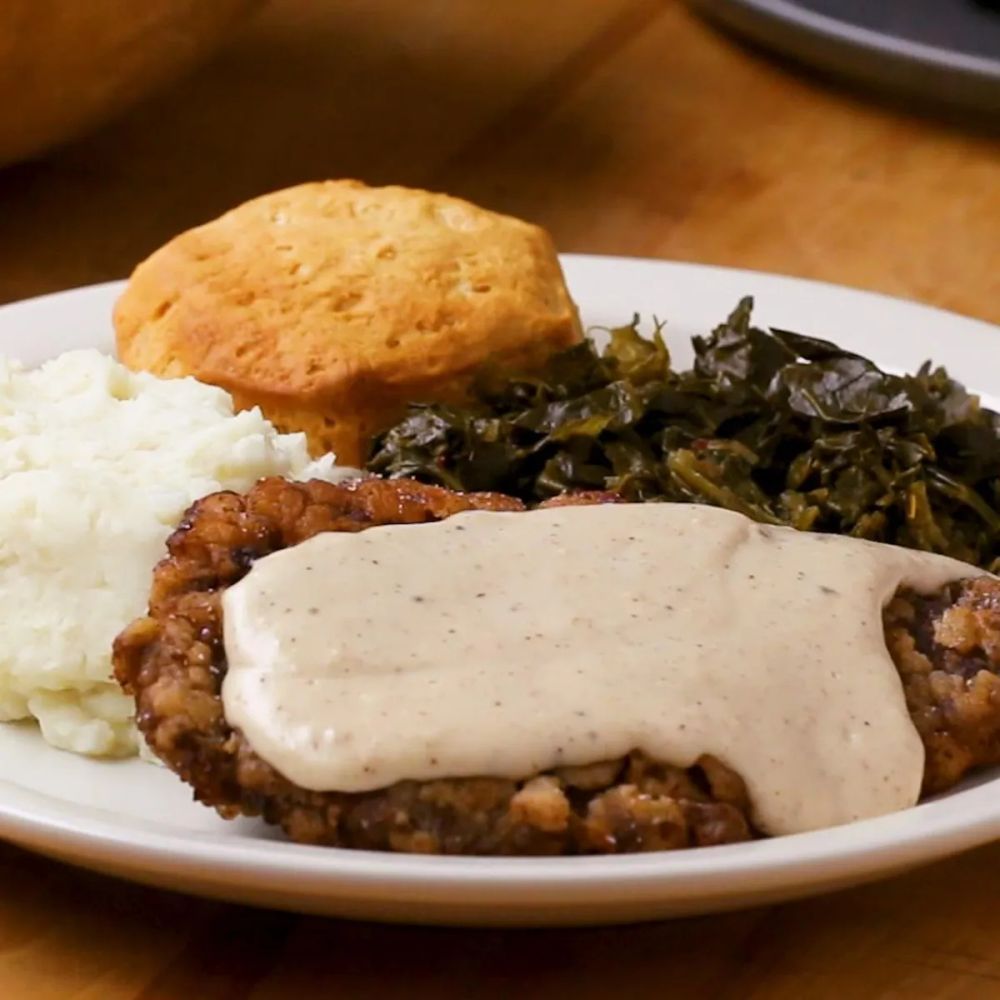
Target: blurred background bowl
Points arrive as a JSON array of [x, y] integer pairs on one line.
[[68, 65]]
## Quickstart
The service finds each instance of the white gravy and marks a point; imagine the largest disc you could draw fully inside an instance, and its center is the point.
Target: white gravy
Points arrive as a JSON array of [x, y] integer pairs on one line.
[[510, 643]]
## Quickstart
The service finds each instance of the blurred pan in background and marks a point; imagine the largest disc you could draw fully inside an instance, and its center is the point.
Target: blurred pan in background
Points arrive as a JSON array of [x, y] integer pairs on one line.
[[945, 52]]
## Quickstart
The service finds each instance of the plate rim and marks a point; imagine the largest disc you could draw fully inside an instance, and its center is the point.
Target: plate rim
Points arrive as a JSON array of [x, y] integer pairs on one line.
[[927, 824], [115, 286]]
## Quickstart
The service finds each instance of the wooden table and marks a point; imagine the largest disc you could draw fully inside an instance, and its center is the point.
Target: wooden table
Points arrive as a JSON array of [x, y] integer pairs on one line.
[[625, 126]]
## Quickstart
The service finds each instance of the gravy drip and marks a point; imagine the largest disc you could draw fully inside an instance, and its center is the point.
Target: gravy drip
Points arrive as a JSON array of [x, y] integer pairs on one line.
[[507, 644]]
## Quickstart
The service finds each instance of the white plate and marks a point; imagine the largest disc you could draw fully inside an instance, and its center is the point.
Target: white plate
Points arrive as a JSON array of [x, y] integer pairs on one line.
[[137, 821]]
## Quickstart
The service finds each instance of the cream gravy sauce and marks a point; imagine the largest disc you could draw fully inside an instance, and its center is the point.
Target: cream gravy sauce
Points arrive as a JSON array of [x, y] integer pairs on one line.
[[509, 643]]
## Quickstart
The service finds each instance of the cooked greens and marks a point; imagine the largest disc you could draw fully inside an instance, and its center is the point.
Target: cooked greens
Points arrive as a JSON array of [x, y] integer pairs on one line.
[[784, 428]]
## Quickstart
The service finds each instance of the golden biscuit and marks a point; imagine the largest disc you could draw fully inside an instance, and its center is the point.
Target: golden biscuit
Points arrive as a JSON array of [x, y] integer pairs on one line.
[[332, 305]]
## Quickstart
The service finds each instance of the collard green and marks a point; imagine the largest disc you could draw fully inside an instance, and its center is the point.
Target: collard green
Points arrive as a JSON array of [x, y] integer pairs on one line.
[[785, 428]]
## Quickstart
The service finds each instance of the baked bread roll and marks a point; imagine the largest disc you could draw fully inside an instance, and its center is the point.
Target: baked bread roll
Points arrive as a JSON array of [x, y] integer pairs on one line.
[[332, 305]]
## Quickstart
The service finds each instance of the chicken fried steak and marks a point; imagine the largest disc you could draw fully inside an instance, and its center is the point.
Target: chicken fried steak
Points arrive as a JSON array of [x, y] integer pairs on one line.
[[946, 648]]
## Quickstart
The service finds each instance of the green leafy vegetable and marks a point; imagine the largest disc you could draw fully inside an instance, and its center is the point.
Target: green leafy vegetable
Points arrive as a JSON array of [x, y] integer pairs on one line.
[[785, 428]]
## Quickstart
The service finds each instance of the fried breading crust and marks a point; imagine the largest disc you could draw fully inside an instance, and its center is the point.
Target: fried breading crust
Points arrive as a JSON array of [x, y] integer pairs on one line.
[[173, 662], [946, 647]]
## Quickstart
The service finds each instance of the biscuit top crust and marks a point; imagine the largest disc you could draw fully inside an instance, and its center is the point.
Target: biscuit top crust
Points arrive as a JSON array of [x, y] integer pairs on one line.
[[334, 290]]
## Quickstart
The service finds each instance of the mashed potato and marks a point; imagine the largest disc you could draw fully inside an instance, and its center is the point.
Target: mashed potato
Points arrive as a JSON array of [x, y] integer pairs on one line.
[[97, 465]]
